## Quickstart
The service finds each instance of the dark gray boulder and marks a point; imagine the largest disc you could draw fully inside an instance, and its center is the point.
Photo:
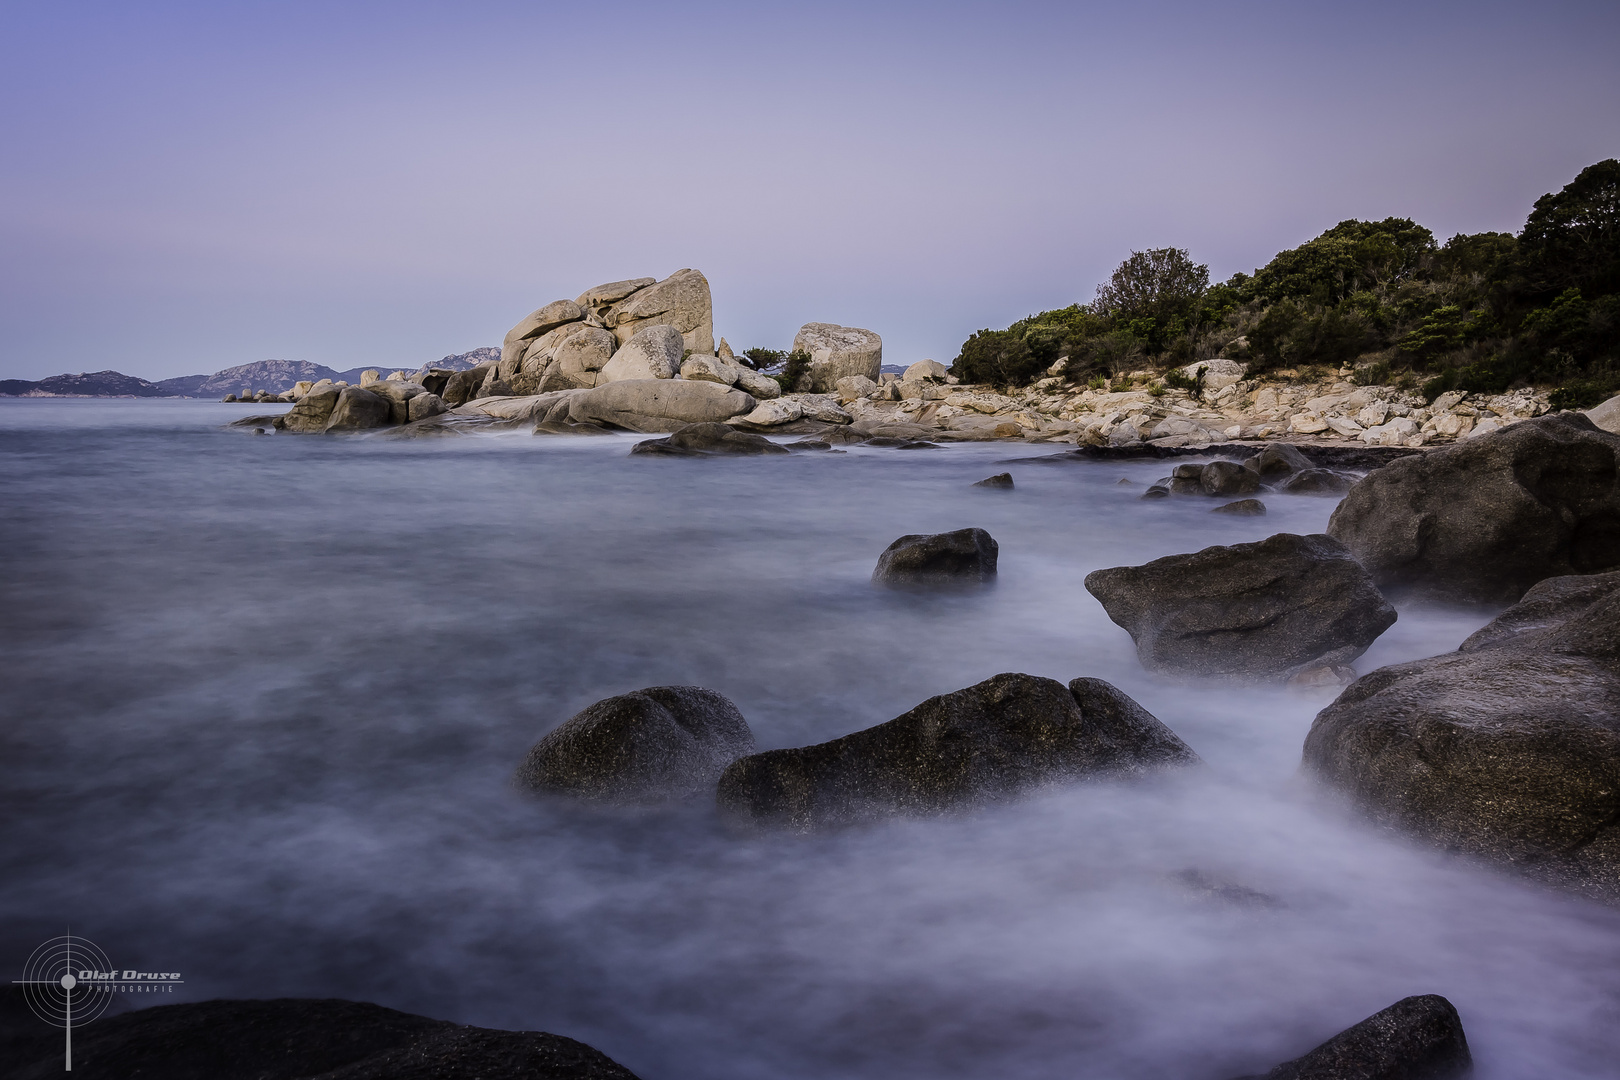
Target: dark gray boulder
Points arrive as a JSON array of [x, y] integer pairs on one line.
[[311, 413], [359, 410], [463, 386], [1417, 1038], [1000, 481], [652, 745], [1315, 482], [1266, 610], [703, 440], [1243, 508], [297, 1039], [1484, 520], [1552, 602], [1508, 749], [965, 556], [1278, 460], [1227, 478], [994, 740]]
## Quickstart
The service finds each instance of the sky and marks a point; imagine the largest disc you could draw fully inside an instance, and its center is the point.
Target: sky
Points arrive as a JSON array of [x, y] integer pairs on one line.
[[186, 187]]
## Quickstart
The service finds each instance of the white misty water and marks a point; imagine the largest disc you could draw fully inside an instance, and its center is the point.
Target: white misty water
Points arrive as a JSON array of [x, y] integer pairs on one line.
[[264, 697]]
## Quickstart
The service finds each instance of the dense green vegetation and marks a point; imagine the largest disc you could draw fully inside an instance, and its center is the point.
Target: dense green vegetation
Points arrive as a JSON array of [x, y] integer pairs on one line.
[[1482, 312]]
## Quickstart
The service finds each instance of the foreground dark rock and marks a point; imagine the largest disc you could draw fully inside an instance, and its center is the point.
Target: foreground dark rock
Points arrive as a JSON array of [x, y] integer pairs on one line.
[[703, 440], [1267, 610], [1001, 737], [1508, 749], [652, 745], [297, 1039], [1486, 519], [965, 556], [1417, 1038]]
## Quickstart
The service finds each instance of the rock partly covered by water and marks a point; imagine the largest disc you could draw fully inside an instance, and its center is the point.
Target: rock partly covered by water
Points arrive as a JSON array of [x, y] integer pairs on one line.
[[962, 556], [1417, 1038], [652, 745], [1483, 521], [704, 440], [1508, 748], [300, 1039], [658, 405], [1004, 736], [1267, 610]]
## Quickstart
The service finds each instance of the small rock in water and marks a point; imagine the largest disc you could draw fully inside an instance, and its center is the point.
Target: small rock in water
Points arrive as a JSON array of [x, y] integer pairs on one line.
[[1245, 507], [966, 555], [1316, 482], [813, 445], [700, 440], [664, 742], [1123, 480], [1417, 1038], [1000, 480], [1326, 677], [260, 431]]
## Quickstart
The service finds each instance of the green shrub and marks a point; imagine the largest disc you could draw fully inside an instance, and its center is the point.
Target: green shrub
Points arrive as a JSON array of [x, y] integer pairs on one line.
[[762, 359], [1176, 379], [796, 365]]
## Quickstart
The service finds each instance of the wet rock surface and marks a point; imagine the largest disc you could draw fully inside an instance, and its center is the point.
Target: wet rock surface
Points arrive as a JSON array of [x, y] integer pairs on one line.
[[704, 440], [295, 1039], [1266, 610], [1417, 1038], [651, 745], [964, 556], [1483, 521], [1508, 749], [1006, 735], [1000, 481]]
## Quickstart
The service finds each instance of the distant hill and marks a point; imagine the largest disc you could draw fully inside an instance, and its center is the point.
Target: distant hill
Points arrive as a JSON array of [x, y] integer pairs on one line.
[[275, 376], [87, 384]]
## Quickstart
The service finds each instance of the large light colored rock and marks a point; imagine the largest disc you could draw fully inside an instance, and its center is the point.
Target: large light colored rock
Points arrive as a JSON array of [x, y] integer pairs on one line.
[[1217, 374], [357, 410], [709, 369], [576, 361], [1606, 415], [1394, 433], [851, 387], [399, 394], [923, 370], [823, 407], [653, 353], [838, 351], [771, 413], [612, 292], [680, 300], [761, 386], [658, 405], [537, 322]]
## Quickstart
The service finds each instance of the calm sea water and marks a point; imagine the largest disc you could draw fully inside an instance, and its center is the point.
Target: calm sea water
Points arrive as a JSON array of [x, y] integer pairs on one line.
[[263, 698]]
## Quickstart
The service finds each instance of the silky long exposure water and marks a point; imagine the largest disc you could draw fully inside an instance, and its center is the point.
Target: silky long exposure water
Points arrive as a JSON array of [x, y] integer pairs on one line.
[[264, 697]]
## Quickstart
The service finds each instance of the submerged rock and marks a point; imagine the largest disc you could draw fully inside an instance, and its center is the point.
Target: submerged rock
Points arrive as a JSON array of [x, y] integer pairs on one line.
[[1508, 748], [1002, 481], [1266, 610], [1484, 520], [1417, 1038], [1243, 508], [1004, 736], [299, 1039], [966, 555], [652, 745], [702, 440]]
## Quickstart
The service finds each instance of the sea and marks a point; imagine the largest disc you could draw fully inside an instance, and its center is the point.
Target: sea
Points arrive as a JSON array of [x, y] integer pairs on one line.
[[264, 697]]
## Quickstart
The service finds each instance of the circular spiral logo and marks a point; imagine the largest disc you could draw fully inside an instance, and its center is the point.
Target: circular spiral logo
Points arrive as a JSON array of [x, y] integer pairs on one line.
[[51, 985]]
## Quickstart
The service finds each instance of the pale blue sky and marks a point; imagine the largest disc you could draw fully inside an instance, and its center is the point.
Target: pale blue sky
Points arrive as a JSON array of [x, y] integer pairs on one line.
[[192, 186]]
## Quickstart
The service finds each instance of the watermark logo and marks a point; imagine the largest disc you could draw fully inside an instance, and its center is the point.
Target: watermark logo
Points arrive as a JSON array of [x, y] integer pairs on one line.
[[68, 982]]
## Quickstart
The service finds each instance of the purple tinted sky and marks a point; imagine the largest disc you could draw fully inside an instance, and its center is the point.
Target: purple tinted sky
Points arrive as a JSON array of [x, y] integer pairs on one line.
[[191, 186]]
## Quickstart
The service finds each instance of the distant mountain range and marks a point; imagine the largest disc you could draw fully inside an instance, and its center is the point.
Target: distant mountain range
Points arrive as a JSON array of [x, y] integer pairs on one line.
[[275, 376]]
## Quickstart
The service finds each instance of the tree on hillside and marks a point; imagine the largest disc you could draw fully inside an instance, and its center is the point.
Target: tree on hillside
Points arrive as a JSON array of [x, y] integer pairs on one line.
[[1572, 239], [1161, 284], [1348, 258]]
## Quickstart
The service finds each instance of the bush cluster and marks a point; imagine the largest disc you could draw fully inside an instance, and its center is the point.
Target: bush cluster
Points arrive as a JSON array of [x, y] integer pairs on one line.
[[1482, 312]]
